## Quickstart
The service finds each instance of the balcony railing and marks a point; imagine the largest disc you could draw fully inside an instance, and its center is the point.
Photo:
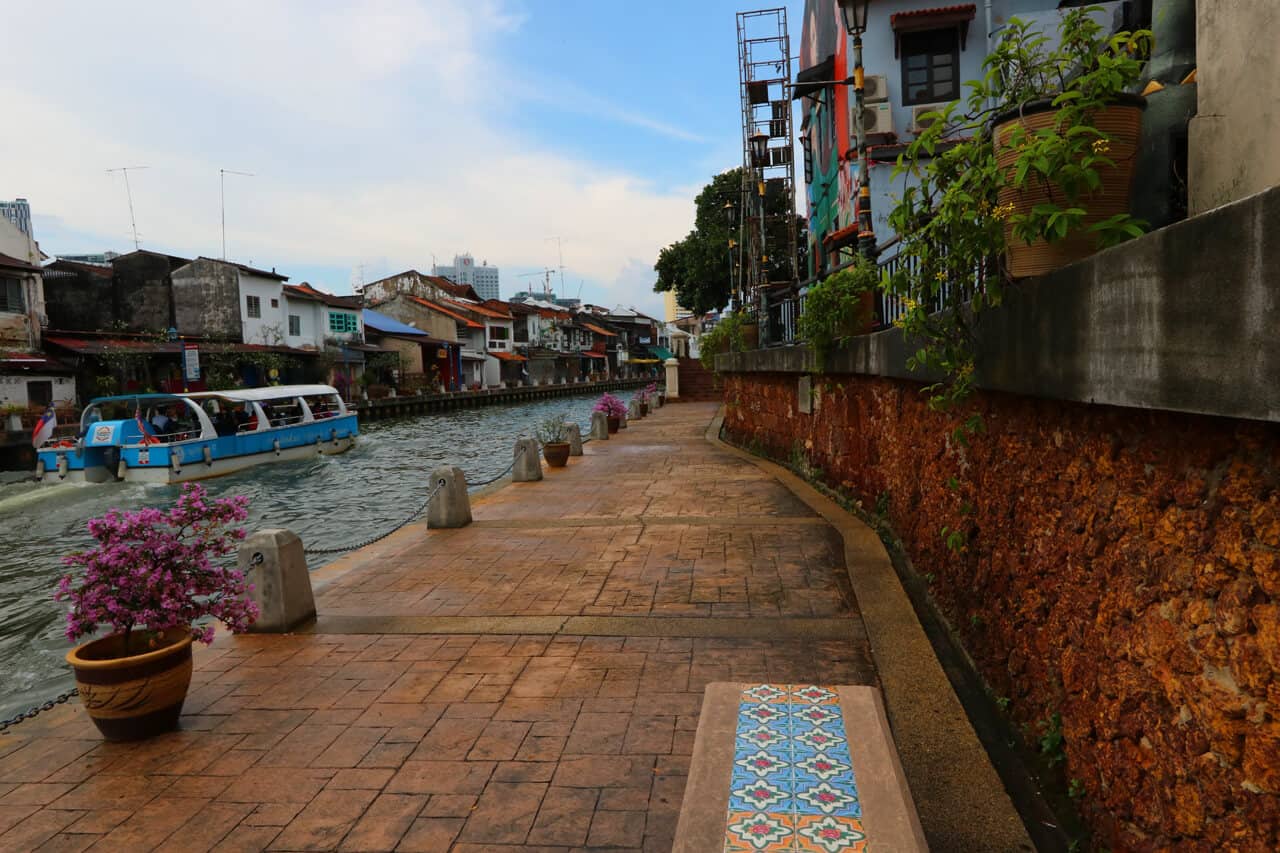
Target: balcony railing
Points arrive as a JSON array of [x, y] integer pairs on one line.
[[782, 314]]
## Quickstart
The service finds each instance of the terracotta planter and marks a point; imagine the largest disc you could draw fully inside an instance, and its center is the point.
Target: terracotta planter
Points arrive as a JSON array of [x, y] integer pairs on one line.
[[644, 410], [1122, 121], [615, 423], [557, 454], [133, 697], [751, 335]]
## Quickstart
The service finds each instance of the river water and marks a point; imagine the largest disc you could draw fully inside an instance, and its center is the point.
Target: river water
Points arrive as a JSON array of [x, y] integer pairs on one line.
[[329, 501]]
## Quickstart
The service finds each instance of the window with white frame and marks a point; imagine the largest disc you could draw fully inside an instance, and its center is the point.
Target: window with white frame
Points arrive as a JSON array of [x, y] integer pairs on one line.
[[253, 306]]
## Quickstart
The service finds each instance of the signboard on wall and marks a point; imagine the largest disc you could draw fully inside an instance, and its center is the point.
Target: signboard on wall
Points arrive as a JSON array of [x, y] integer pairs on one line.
[[191, 362]]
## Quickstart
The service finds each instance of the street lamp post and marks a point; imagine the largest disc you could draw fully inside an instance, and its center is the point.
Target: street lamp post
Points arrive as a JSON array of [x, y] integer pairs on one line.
[[854, 13], [759, 157], [733, 285]]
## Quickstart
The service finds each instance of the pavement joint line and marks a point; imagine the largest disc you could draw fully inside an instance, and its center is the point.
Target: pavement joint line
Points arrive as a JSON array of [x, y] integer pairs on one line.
[[692, 521], [754, 627]]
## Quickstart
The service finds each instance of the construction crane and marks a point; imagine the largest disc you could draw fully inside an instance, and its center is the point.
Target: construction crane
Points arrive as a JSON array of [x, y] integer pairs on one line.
[[546, 274]]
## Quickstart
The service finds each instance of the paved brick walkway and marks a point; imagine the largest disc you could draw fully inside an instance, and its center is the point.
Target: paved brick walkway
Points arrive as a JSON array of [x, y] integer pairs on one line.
[[532, 681]]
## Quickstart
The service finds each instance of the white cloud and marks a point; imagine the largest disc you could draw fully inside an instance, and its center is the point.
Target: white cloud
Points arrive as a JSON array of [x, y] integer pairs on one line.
[[370, 127]]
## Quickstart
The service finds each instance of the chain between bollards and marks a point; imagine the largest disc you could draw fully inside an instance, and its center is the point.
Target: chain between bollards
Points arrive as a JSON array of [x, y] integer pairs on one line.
[[419, 511], [57, 700]]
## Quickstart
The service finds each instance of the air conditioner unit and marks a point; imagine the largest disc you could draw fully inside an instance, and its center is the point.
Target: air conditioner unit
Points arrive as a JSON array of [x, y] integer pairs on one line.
[[918, 120], [875, 88], [876, 118]]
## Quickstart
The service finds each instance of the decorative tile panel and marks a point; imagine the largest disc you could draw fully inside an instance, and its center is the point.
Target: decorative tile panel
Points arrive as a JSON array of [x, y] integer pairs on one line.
[[792, 786]]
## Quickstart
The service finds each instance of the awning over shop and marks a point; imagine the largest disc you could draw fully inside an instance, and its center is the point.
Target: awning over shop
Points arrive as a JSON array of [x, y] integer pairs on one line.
[[662, 353], [598, 355], [599, 331], [99, 346], [643, 361], [508, 356]]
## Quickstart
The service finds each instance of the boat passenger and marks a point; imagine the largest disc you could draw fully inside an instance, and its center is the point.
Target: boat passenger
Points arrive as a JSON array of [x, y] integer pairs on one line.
[[160, 421]]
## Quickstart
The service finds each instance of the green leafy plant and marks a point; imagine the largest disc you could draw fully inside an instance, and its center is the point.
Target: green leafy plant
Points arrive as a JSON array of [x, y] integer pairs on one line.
[[835, 309], [952, 223], [552, 430], [1075, 790], [1052, 741], [726, 336]]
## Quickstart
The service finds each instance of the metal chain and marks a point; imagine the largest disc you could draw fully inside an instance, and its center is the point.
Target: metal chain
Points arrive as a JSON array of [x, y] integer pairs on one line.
[[57, 700], [505, 471], [417, 512]]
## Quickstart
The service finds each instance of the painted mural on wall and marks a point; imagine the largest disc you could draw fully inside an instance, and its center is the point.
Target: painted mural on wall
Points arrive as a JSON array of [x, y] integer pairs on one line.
[[831, 189]]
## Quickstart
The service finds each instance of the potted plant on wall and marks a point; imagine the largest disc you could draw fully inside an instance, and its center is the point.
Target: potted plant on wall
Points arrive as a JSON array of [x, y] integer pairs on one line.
[[12, 414], [554, 440], [613, 409], [984, 193], [838, 308], [153, 578]]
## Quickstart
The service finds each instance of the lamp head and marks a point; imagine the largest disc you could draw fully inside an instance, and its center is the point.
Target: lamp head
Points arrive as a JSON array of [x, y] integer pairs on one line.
[[759, 145], [854, 13]]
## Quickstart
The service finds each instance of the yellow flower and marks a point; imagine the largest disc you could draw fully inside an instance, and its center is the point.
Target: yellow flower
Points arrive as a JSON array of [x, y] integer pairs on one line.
[[1101, 146], [940, 275], [910, 303]]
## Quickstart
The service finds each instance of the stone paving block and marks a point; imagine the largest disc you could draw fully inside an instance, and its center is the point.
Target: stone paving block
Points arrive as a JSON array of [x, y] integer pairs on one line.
[[504, 814], [431, 835], [441, 777], [384, 823], [323, 822], [565, 817], [617, 829]]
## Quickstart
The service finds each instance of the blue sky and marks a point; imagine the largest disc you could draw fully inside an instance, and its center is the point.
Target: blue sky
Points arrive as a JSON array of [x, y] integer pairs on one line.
[[379, 133]]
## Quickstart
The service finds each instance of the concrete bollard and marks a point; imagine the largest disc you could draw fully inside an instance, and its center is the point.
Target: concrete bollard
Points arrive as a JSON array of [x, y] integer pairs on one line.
[[633, 409], [599, 426], [451, 505], [622, 421], [673, 378], [274, 562], [528, 465], [574, 436]]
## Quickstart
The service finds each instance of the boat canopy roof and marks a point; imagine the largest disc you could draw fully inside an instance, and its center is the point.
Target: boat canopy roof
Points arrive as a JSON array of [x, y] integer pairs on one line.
[[274, 392]]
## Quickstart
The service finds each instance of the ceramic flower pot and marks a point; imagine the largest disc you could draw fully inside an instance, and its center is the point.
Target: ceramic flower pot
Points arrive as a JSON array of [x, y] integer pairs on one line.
[[134, 696], [556, 454], [615, 423], [1122, 122]]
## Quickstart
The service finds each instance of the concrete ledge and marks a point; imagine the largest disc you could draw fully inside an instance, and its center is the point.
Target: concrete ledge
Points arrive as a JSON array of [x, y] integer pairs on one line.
[[1182, 319]]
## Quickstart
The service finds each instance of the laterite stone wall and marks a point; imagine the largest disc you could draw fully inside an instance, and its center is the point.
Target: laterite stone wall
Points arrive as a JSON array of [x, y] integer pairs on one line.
[[1122, 569]]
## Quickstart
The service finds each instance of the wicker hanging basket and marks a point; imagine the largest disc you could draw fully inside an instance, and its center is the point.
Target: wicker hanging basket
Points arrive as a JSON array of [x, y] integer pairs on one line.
[[1122, 122]]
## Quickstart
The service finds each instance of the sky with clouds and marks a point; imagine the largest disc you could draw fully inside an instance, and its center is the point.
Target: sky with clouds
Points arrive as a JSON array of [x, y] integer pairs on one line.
[[378, 133]]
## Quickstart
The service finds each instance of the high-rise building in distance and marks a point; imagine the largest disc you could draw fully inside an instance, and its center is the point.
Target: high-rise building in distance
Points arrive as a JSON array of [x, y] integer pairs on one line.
[[18, 212], [483, 278]]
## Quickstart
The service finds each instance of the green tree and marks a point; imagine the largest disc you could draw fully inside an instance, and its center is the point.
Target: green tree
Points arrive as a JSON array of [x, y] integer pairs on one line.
[[697, 266]]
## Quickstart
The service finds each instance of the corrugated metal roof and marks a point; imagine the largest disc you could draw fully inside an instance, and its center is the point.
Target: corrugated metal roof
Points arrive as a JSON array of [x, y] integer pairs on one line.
[[389, 325]]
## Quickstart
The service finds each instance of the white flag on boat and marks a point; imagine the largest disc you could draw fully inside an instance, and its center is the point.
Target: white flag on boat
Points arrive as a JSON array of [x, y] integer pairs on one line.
[[44, 428]]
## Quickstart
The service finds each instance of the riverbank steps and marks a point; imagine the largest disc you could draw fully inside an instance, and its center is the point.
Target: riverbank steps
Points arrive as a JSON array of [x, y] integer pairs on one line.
[[530, 680]]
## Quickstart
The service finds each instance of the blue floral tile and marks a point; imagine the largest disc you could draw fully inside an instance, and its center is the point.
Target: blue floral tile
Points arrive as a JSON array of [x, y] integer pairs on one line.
[[792, 785]]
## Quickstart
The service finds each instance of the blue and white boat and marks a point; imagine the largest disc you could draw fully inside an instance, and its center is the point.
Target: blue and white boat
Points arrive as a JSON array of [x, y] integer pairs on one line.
[[172, 438]]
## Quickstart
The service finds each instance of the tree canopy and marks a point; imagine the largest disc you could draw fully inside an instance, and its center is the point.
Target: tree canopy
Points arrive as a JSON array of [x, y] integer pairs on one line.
[[697, 267]]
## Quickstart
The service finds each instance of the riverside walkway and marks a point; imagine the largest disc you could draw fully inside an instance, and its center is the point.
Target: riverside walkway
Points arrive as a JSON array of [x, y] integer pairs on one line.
[[531, 681]]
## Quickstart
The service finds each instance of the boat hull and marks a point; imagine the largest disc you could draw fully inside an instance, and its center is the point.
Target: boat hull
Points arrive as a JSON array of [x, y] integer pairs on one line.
[[198, 459]]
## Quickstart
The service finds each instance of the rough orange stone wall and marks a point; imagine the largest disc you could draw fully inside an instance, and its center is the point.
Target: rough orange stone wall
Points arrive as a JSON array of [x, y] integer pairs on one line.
[[1122, 568]]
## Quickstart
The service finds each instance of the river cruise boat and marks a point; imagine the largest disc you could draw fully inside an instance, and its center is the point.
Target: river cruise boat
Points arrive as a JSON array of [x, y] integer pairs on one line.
[[173, 438]]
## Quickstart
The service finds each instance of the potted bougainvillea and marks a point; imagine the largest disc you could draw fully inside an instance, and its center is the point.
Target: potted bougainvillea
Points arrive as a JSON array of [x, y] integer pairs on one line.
[[155, 579], [614, 410]]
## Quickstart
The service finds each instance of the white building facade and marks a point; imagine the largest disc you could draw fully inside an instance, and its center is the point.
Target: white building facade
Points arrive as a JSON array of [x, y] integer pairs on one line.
[[483, 278]]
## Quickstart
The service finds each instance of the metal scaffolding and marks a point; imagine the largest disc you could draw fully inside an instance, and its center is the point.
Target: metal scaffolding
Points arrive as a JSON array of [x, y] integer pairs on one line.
[[767, 219]]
